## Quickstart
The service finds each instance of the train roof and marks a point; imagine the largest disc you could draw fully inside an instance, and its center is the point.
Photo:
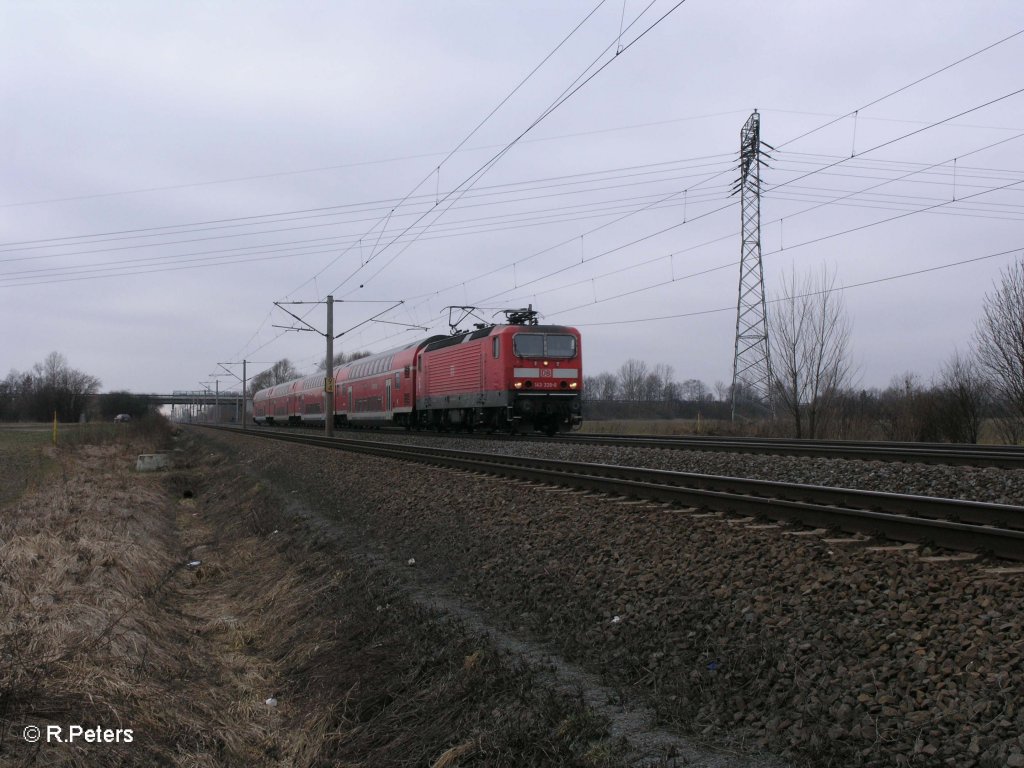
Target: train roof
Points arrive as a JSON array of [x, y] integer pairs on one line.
[[459, 338], [390, 352]]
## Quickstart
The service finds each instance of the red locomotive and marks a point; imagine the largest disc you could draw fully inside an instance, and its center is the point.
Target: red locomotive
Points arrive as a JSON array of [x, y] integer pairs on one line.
[[505, 377]]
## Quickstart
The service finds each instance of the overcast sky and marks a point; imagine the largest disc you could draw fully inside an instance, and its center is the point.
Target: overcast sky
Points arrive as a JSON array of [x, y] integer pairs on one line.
[[170, 170]]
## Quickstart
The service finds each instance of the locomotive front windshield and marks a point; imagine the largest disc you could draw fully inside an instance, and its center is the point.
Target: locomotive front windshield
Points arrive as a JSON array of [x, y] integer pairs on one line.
[[544, 345]]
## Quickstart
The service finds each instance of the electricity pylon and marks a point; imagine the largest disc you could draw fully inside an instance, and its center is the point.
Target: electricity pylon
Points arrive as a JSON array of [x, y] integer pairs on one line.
[[751, 367]]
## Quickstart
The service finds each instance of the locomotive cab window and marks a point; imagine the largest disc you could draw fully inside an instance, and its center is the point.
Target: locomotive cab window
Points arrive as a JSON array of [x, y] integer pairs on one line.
[[496, 346], [544, 345], [559, 345], [528, 344]]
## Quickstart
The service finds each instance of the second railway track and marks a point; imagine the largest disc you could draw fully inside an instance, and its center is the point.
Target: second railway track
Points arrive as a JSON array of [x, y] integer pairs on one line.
[[1004, 456], [950, 523]]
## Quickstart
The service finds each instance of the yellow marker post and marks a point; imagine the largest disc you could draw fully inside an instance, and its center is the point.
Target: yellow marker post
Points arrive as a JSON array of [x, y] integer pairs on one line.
[[54, 427]]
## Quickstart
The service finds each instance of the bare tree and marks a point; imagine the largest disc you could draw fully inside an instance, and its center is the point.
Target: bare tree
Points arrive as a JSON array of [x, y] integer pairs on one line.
[[672, 391], [907, 409], [964, 396], [341, 358], [607, 386], [694, 390], [1000, 337], [666, 387], [652, 387], [53, 387], [278, 373], [632, 379], [809, 331]]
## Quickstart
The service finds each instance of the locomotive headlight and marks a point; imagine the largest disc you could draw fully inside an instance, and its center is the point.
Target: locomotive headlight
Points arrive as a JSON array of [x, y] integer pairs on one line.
[[518, 385], [573, 385]]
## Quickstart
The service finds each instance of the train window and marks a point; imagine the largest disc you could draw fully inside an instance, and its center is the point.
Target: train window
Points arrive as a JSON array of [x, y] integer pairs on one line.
[[559, 345], [544, 345], [496, 346], [398, 379], [528, 344]]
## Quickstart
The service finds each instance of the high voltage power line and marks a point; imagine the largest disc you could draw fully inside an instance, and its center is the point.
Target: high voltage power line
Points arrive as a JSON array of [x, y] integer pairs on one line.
[[498, 191], [831, 165], [928, 208], [581, 80], [392, 235], [886, 96], [874, 281], [904, 214], [564, 213]]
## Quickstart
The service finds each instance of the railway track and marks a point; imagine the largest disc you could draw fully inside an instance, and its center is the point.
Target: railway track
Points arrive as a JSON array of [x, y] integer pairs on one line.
[[1005, 456], [997, 529], [953, 454]]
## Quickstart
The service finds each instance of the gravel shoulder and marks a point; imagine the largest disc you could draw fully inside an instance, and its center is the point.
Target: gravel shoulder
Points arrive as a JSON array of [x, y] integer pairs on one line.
[[742, 637]]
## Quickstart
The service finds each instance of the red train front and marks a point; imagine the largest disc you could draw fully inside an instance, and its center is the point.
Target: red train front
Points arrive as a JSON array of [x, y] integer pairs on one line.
[[503, 377]]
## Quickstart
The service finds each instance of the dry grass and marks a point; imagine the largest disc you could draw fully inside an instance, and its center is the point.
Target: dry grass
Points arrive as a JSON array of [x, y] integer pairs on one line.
[[25, 460], [661, 427], [103, 622], [76, 570]]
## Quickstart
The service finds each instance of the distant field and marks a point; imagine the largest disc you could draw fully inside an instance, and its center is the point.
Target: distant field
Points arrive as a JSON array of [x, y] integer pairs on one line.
[[657, 427], [25, 460], [22, 461]]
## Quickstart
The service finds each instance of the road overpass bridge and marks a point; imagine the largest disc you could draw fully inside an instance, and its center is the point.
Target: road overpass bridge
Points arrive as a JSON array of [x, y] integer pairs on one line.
[[187, 405], [190, 397]]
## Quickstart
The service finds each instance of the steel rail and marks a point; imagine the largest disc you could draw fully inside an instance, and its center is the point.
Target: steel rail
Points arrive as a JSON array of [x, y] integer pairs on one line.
[[951, 523], [954, 454], [1004, 456]]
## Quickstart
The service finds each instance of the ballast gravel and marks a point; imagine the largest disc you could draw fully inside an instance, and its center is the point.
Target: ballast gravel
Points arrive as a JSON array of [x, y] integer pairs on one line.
[[1000, 486], [744, 636]]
